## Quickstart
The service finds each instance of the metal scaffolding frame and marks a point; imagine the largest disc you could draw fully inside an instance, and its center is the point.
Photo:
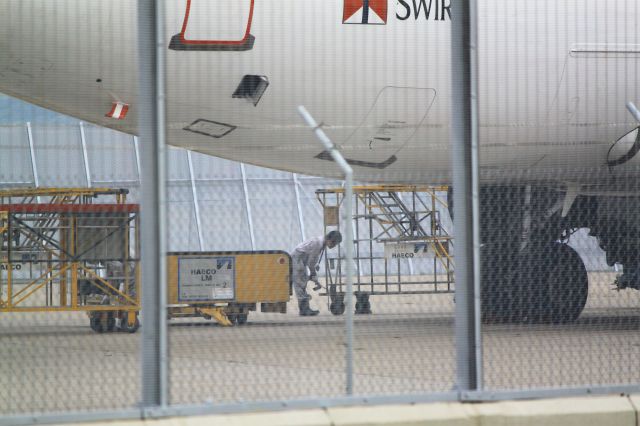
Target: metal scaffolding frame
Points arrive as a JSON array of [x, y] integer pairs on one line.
[[74, 244], [398, 225]]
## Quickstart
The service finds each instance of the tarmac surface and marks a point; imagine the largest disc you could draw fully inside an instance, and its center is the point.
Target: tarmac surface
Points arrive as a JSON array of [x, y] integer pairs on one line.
[[54, 362]]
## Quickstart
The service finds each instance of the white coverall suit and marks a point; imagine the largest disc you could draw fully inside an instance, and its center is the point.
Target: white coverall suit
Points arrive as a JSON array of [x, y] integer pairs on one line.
[[305, 258]]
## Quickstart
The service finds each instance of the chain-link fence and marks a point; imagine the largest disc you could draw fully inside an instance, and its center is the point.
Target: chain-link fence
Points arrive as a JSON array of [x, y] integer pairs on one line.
[[252, 291]]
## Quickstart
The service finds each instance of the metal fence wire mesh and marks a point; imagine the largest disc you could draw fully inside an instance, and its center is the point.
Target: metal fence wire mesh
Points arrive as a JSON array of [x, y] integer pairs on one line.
[[256, 305], [558, 230]]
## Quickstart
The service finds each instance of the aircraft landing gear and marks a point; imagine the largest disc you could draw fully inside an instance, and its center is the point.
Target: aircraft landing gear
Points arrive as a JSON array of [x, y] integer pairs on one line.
[[527, 276]]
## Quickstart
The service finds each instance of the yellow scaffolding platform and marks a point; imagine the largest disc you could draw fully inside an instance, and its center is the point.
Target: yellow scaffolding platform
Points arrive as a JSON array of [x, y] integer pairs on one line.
[[405, 220], [66, 249]]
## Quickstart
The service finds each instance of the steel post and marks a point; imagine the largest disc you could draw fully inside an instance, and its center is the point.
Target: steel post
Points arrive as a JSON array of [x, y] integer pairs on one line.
[[464, 150], [151, 125], [348, 241]]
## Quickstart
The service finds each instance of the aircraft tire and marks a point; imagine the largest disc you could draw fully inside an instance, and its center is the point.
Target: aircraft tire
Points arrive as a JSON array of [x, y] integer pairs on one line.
[[558, 285], [502, 298]]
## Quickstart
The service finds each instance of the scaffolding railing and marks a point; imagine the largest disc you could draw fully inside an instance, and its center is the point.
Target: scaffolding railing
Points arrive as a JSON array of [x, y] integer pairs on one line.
[[395, 227], [65, 249]]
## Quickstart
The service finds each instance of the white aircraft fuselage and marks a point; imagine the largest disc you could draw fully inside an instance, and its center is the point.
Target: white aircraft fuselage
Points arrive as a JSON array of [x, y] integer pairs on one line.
[[554, 78]]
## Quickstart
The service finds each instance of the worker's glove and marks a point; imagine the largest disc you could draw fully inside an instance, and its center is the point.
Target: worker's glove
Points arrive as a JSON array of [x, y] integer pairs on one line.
[[317, 285]]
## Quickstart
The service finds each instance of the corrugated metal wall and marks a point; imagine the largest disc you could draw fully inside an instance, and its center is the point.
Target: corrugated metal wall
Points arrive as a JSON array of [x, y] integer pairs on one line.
[[214, 204]]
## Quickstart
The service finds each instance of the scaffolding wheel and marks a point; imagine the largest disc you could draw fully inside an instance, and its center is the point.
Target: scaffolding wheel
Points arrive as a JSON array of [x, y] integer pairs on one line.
[[241, 319], [96, 323], [337, 305], [111, 322], [363, 306], [238, 319]]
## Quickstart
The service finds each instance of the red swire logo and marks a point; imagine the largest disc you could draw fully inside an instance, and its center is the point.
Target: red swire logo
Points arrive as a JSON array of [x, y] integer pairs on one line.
[[372, 12]]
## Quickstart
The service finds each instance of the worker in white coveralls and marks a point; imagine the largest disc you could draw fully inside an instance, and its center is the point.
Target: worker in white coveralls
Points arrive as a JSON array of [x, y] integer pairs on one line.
[[305, 259]]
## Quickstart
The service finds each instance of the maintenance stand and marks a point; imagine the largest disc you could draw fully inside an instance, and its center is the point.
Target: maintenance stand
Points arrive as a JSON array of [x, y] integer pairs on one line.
[[397, 229], [61, 250]]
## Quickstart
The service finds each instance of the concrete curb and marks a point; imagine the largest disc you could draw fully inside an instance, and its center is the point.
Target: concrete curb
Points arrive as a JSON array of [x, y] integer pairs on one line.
[[433, 414], [581, 411]]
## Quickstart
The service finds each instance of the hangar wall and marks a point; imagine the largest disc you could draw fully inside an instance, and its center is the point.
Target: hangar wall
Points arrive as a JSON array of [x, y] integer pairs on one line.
[[214, 204]]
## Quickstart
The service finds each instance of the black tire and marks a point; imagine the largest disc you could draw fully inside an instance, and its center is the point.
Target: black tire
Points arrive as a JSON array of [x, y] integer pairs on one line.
[[111, 322], [96, 324], [241, 319], [545, 284], [559, 287], [501, 283], [337, 308], [501, 263], [363, 306], [238, 319]]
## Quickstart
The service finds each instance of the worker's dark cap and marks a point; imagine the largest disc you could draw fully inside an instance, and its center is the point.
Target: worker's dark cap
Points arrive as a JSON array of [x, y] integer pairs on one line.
[[334, 236]]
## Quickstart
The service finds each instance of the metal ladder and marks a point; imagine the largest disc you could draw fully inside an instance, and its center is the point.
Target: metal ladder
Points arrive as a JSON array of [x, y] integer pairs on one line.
[[393, 214]]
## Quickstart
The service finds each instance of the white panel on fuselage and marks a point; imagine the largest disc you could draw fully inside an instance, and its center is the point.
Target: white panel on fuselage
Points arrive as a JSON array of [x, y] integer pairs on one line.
[[392, 120]]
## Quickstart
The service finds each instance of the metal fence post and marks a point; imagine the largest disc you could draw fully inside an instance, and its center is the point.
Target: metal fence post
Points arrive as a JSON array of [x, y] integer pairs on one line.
[[348, 240], [151, 126], [464, 150]]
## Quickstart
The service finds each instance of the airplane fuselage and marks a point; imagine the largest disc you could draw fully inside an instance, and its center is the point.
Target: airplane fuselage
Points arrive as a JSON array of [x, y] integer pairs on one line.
[[554, 78]]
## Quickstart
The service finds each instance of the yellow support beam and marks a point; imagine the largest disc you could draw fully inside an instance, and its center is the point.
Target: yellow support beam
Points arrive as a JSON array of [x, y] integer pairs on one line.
[[82, 308], [4, 221], [358, 189], [58, 192], [216, 313]]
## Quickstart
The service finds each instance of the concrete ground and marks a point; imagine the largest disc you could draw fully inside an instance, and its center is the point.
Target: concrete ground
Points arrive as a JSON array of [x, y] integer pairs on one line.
[[54, 362]]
